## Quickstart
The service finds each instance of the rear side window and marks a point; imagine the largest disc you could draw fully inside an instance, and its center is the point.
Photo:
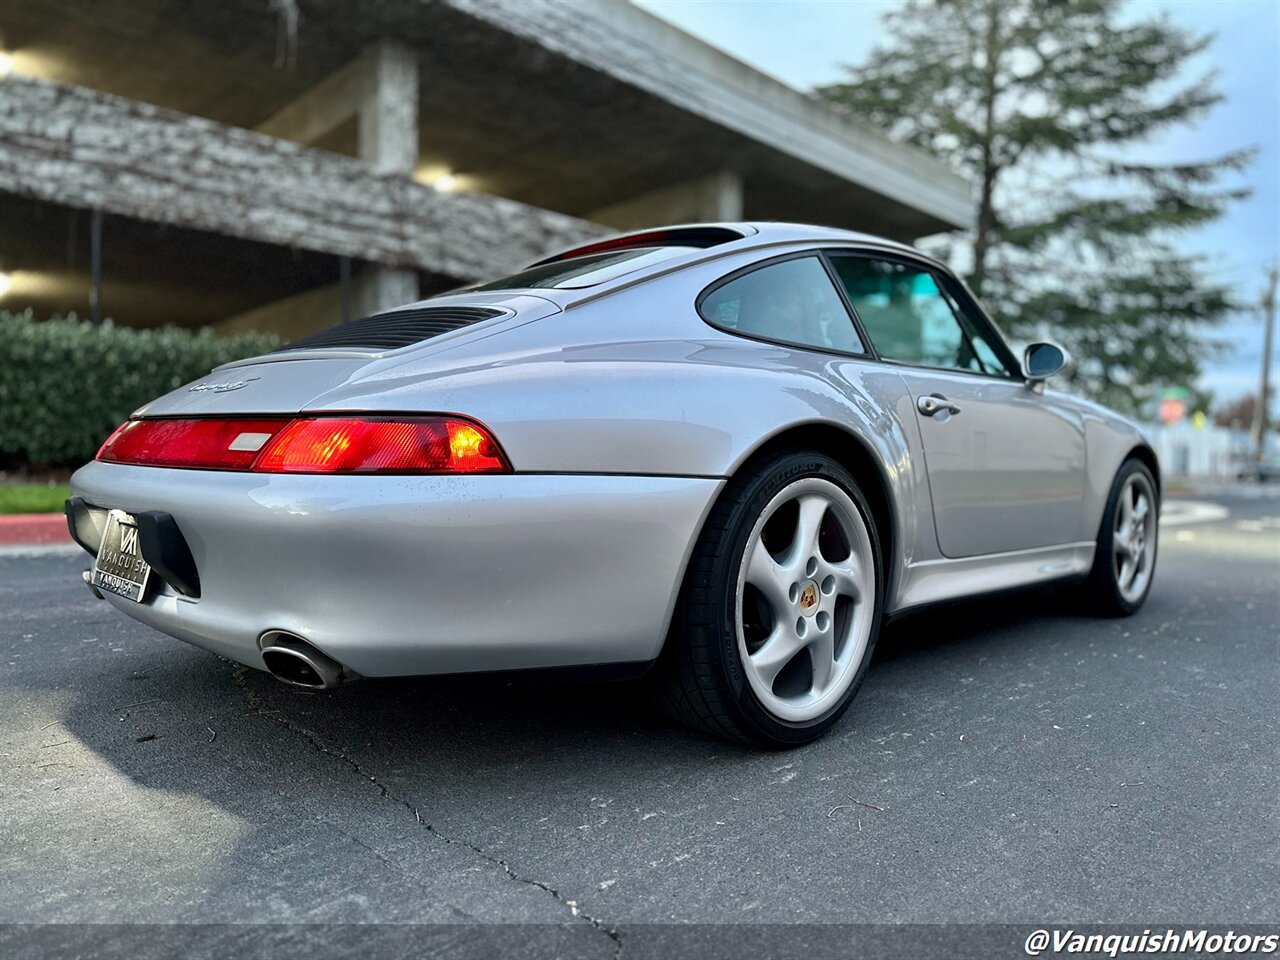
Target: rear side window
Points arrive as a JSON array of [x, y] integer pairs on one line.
[[909, 318], [791, 301], [585, 271]]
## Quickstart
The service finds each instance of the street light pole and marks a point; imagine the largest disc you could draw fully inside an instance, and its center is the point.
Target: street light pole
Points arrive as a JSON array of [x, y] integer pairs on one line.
[[1264, 390]]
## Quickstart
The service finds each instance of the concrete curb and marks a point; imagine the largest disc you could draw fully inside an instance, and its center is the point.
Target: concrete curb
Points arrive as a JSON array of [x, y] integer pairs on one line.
[[17, 550], [31, 529]]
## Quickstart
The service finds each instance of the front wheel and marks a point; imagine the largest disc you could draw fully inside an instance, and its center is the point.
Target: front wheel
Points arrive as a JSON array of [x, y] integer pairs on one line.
[[1125, 562], [780, 609]]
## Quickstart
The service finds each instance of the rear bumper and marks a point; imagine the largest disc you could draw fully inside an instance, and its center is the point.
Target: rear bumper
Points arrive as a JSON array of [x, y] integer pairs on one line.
[[415, 575]]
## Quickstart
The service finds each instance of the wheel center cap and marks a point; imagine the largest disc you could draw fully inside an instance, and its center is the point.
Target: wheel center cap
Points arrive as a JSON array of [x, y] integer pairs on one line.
[[808, 600]]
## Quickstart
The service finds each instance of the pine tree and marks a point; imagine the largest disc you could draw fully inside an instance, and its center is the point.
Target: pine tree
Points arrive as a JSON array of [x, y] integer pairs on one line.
[[1042, 103]]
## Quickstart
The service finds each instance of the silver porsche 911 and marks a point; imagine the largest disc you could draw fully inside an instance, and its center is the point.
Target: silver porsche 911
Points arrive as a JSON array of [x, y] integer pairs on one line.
[[719, 454]]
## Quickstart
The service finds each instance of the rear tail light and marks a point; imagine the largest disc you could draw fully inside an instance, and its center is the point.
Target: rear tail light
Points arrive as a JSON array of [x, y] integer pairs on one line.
[[345, 445], [310, 445], [196, 444]]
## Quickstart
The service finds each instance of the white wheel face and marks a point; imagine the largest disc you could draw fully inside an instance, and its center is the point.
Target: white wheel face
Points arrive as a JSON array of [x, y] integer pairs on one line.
[[1134, 538], [805, 601]]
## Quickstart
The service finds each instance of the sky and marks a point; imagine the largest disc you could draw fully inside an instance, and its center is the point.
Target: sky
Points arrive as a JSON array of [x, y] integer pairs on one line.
[[804, 42]]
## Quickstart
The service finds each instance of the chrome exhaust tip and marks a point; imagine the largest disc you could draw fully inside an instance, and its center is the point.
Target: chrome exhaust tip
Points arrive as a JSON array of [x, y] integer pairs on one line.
[[87, 576], [292, 660]]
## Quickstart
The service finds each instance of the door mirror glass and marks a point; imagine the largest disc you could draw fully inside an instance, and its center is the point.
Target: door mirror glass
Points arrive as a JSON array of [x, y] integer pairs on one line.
[[1041, 361]]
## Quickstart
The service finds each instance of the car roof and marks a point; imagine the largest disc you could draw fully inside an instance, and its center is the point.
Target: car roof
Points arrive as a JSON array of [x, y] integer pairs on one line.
[[751, 235]]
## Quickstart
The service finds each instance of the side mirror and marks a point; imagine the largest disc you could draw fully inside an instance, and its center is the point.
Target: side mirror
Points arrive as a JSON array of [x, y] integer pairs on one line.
[[1040, 361]]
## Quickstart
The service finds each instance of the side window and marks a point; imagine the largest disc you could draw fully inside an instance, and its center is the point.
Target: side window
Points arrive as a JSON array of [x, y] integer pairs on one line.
[[792, 300], [909, 318]]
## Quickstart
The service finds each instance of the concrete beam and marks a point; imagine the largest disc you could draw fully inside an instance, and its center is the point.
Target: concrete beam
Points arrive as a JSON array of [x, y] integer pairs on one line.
[[84, 148], [635, 47], [322, 109], [379, 89], [718, 197]]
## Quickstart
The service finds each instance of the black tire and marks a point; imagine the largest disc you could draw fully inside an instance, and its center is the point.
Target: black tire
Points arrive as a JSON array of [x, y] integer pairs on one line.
[[699, 679], [1101, 592]]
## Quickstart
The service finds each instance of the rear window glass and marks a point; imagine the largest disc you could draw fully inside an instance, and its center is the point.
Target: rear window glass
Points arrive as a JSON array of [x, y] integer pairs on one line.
[[584, 271]]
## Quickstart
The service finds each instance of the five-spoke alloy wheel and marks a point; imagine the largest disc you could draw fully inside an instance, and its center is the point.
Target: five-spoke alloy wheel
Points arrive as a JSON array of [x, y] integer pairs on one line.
[[781, 605], [1125, 562], [802, 621], [1134, 540]]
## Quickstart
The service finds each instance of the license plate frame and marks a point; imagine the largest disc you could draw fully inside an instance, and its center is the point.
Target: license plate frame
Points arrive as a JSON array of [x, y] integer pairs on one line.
[[119, 567]]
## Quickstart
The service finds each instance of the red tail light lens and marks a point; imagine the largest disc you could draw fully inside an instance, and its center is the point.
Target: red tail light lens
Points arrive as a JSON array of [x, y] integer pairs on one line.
[[360, 445], [195, 444], [310, 445]]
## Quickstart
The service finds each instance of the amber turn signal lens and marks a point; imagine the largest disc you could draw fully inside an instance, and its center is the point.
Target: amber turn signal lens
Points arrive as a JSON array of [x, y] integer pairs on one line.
[[372, 445]]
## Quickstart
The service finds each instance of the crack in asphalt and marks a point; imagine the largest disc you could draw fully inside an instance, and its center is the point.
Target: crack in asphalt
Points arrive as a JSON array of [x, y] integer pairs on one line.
[[256, 706]]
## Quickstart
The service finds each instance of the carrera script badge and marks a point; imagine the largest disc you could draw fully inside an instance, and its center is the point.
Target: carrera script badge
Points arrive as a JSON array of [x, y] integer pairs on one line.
[[225, 387]]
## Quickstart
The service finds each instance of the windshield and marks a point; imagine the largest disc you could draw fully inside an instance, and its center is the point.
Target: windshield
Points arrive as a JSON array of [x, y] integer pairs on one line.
[[584, 271]]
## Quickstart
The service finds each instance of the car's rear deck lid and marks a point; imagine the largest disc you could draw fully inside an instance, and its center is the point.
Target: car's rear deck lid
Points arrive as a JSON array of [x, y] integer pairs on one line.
[[394, 329]]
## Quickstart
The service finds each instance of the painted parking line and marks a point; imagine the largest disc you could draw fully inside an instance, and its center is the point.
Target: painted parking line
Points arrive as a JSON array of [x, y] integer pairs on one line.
[[1177, 513], [1241, 491], [1261, 525]]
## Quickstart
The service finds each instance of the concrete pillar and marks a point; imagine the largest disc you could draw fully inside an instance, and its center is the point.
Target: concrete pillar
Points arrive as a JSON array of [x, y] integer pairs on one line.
[[726, 196], [388, 110], [388, 140], [718, 197], [380, 288], [303, 313], [380, 89]]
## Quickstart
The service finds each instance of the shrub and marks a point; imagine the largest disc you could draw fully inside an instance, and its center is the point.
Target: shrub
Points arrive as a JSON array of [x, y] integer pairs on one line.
[[65, 383]]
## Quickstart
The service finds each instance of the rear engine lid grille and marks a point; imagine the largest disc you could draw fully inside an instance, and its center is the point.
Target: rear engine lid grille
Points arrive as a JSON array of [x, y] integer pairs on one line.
[[398, 328]]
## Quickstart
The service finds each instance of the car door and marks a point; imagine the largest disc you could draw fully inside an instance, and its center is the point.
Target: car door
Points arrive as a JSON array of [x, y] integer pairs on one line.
[[1005, 462]]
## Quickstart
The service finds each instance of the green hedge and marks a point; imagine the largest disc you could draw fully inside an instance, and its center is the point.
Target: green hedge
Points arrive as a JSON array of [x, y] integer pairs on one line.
[[65, 383]]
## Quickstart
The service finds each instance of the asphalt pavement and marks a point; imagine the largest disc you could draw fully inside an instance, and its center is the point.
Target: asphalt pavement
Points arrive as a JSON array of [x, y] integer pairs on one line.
[[1008, 760]]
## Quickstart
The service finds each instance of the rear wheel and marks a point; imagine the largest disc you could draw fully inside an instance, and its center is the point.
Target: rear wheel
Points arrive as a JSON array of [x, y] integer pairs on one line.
[[1125, 562], [780, 609]]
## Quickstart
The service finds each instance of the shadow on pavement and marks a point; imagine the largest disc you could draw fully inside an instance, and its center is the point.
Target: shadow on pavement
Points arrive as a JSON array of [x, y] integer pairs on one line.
[[463, 723], [450, 780]]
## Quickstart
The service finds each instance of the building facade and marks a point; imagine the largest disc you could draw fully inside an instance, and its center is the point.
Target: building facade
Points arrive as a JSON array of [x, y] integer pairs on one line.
[[281, 164]]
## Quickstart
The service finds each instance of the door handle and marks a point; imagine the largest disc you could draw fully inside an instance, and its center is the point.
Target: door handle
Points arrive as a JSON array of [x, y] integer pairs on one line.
[[935, 403]]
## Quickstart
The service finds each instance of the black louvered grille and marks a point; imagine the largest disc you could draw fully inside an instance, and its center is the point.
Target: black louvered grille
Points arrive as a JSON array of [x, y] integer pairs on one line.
[[400, 328]]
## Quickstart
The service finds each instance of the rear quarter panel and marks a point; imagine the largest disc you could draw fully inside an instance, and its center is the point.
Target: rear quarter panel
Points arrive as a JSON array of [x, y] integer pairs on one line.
[[636, 383]]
